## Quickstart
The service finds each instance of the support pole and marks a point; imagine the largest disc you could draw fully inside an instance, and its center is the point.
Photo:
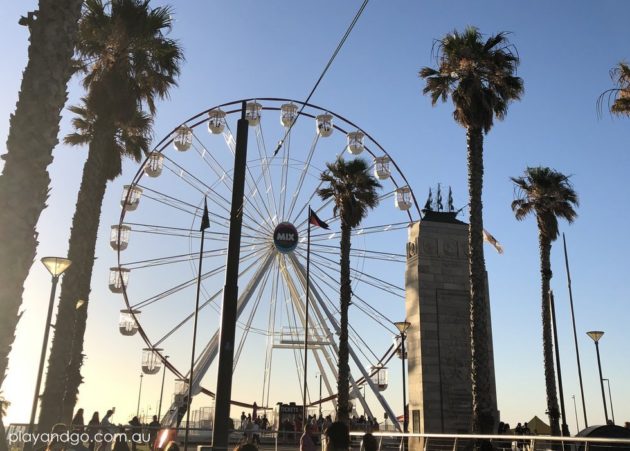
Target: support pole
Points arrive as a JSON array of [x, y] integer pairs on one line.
[[577, 349], [220, 431], [308, 266], [205, 222], [159, 413], [42, 358], [565, 426], [601, 381]]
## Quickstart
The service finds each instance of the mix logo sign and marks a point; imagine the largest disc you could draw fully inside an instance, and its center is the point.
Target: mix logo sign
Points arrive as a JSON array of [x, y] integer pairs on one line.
[[285, 237]]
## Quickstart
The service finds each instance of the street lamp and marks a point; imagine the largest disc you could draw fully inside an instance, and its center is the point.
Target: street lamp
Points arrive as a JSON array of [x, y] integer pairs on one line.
[[402, 327], [159, 412], [612, 411], [56, 267], [596, 335], [320, 393], [139, 394]]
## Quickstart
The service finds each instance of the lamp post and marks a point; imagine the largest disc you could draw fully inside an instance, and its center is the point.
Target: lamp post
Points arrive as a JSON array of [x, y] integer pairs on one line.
[[56, 267], [402, 327], [320, 394], [159, 412], [596, 335], [612, 411], [139, 394], [577, 423]]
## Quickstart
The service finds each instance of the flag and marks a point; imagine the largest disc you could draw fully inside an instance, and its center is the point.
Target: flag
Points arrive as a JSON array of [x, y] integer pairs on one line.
[[314, 219], [205, 219], [492, 240]]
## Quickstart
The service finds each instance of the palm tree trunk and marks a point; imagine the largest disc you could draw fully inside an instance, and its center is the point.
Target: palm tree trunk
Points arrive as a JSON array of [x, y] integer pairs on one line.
[[550, 374], [345, 293], [66, 356], [33, 130], [483, 419]]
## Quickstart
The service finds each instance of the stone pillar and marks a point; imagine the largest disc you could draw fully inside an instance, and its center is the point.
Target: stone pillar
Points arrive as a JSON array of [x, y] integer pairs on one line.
[[438, 340]]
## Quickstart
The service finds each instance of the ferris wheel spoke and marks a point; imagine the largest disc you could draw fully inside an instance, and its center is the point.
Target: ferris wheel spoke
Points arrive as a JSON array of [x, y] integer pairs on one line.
[[367, 279], [171, 259], [307, 163], [271, 323], [333, 321], [212, 348], [250, 318], [361, 231], [362, 253], [286, 147], [221, 172], [194, 182], [177, 232], [262, 153], [207, 302], [333, 283], [250, 182], [203, 189], [186, 284]]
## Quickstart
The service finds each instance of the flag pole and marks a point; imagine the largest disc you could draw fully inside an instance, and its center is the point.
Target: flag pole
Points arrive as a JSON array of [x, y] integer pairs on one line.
[[205, 223], [308, 264], [577, 349]]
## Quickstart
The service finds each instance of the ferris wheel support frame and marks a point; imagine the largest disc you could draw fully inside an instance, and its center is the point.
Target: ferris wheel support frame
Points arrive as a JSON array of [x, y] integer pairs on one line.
[[302, 275], [211, 350], [295, 298], [321, 320]]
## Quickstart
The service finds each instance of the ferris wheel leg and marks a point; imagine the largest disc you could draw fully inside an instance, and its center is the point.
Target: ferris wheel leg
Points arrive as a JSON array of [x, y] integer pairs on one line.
[[333, 321]]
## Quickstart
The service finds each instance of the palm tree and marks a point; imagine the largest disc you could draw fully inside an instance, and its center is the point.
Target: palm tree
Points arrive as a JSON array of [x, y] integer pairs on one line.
[[480, 79], [620, 94], [129, 62], [353, 190], [548, 194], [33, 130]]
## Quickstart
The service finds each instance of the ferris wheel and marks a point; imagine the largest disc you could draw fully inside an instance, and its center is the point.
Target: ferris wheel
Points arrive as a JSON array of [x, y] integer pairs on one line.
[[158, 235]]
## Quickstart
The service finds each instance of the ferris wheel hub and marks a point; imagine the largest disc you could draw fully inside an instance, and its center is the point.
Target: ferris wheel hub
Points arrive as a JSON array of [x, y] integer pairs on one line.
[[285, 237]]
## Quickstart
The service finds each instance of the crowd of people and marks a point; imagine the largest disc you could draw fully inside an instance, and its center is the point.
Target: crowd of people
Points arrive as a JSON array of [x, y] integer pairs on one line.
[[101, 434]]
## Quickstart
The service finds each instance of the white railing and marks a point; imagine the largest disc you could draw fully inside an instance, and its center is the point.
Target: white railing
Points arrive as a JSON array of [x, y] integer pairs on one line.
[[461, 442]]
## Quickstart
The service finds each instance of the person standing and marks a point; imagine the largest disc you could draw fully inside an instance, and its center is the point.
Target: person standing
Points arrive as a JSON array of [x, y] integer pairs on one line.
[[154, 427], [92, 429], [107, 431], [77, 425]]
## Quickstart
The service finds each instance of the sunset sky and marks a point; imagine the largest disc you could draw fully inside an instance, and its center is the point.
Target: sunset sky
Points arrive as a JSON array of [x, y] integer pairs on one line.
[[248, 49]]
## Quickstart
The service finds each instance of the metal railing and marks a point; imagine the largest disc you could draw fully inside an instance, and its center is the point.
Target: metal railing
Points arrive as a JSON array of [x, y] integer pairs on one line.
[[462, 442]]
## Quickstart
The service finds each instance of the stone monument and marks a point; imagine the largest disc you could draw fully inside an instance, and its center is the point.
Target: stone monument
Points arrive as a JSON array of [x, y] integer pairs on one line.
[[438, 340]]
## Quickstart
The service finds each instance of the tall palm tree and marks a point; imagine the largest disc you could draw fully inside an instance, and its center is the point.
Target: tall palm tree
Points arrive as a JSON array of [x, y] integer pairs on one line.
[[479, 77], [33, 130], [620, 94], [129, 62], [548, 194], [353, 190]]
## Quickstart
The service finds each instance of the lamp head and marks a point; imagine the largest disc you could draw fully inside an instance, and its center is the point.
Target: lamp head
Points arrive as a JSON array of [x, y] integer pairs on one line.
[[595, 335], [402, 326], [56, 265], [80, 303]]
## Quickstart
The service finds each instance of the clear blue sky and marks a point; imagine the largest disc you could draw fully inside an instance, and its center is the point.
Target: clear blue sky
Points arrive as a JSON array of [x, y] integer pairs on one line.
[[246, 49]]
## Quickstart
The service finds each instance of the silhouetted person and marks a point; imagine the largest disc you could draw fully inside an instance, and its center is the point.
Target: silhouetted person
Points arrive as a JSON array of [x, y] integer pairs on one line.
[[78, 425], [337, 437], [369, 442], [154, 427], [92, 428]]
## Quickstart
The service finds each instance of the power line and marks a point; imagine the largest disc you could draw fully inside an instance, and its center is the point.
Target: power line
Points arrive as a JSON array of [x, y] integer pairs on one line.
[[330, 61]]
